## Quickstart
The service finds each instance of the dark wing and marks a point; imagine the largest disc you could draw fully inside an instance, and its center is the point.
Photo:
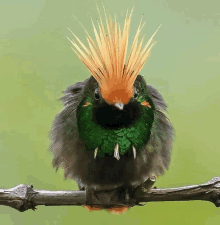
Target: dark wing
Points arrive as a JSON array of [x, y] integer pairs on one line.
[[67, 147], [65, 141], [161, 138], [154, 157]]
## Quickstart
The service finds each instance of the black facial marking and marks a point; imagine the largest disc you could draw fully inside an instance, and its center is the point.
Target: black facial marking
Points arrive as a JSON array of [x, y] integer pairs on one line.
[[109, 116]]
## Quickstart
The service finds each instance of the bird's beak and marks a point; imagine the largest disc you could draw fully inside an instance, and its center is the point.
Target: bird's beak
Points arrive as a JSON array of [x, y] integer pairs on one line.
[[119, 105]]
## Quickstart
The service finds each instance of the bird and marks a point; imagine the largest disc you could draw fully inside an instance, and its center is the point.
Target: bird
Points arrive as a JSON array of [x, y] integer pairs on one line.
[[113, 132]]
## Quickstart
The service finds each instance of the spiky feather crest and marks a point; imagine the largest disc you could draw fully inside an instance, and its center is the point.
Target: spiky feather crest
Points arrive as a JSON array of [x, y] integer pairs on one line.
[[106, 58]]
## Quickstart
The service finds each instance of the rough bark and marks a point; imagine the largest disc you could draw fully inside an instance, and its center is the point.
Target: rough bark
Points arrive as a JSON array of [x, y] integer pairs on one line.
[[24, 197]]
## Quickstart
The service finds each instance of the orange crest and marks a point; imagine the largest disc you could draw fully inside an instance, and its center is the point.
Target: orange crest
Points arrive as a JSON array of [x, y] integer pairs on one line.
[[115, 91], [106, 59]]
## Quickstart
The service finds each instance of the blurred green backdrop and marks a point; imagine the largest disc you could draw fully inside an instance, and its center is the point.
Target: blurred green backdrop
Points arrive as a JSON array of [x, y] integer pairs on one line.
[[37, 64]]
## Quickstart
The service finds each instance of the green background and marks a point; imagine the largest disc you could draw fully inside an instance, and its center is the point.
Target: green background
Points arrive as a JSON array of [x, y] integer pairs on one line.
[[37, 64]]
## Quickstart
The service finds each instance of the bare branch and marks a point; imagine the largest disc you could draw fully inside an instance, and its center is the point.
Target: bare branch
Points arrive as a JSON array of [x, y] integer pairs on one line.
[[24, 197]]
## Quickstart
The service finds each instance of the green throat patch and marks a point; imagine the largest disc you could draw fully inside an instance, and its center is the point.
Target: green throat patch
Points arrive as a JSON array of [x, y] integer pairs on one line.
[[95, 136]]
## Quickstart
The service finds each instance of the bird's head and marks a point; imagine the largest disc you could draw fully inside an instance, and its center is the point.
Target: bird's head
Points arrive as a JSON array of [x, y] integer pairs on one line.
[[115, 97], [117, 113]]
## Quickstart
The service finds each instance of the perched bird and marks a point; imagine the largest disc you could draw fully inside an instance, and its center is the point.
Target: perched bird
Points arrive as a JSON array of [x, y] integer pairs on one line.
[[113, 132]]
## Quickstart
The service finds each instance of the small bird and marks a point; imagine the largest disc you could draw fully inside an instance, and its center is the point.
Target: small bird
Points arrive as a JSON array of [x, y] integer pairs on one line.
[[113, 132]]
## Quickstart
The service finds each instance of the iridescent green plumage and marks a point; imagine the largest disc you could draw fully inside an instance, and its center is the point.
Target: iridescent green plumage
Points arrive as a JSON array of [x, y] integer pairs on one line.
[[95, 136], [111, 115]]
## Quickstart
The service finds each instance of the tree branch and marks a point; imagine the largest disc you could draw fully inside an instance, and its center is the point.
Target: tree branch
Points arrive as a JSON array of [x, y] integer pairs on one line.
[[24, 197]]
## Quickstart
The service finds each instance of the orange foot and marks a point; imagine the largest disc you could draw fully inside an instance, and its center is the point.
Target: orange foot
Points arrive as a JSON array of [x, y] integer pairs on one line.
[[93, 207], [118, 209], [114, 210]]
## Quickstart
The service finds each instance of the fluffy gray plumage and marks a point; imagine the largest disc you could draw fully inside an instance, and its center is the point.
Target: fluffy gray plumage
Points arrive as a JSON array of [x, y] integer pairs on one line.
[[107, 172]]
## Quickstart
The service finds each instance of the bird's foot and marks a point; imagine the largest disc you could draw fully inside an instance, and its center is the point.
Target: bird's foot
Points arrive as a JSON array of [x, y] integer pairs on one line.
[[118, 209], [122, 193], [89, 206], [92, 208], [114, 210]]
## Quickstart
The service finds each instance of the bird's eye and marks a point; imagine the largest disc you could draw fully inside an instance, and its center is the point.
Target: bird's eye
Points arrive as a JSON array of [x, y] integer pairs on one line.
[[96, 94], [135, 93]]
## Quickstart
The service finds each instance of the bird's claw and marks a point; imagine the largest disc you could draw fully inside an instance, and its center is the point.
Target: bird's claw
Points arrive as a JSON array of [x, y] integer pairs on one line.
[[89, 201]]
